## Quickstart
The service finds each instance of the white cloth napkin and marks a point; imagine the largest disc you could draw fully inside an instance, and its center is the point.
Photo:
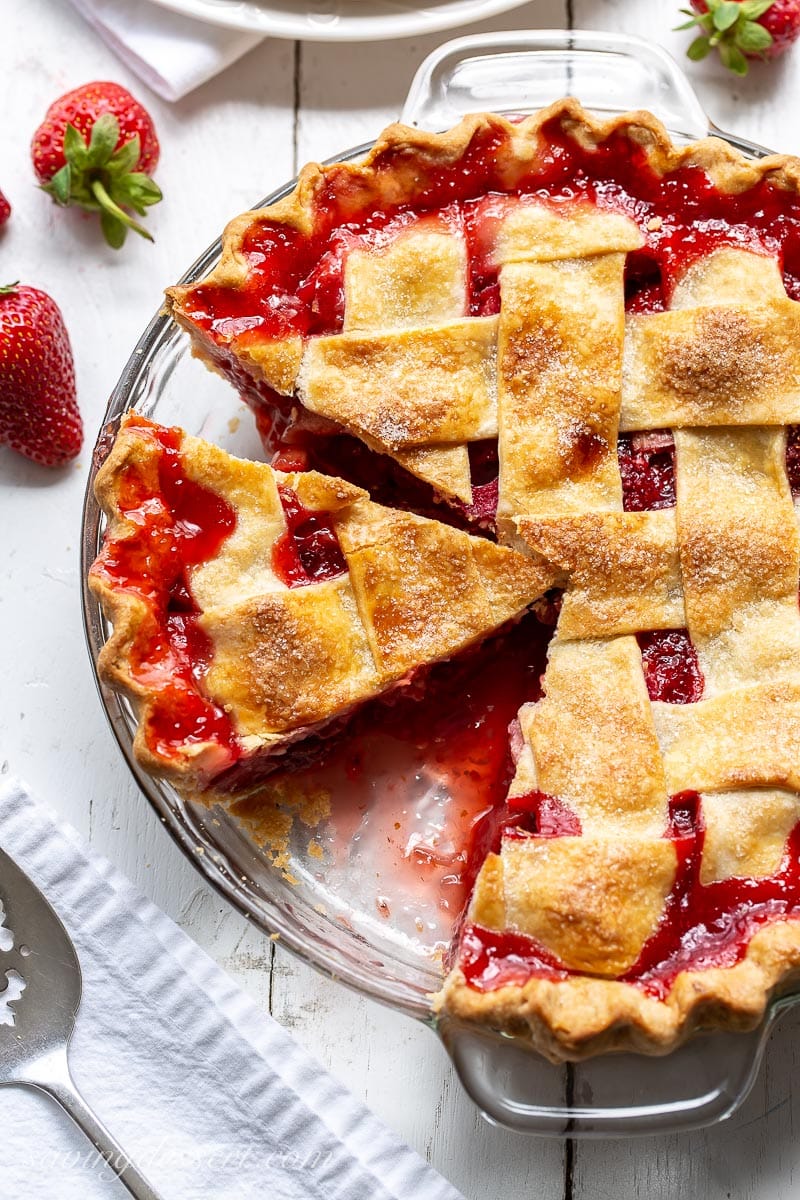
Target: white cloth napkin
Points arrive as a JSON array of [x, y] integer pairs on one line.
[[210, 1096], [172, 54]]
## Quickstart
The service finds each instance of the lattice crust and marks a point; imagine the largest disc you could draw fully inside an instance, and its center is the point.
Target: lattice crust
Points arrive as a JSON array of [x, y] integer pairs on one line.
[[725, 564], [555, 376], [287, 660], [415, 377]]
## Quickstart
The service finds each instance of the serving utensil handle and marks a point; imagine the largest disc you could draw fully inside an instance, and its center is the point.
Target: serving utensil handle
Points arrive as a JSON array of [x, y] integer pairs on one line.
[[55, 1080]]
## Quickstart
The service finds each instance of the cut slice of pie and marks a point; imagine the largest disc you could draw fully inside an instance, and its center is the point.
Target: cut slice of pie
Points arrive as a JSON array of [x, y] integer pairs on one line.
[[252, 609]]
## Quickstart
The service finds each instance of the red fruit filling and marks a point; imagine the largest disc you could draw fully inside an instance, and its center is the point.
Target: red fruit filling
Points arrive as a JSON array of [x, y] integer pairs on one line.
[[671, 670], [491, 959], [309, 551], [177, 524], [793, 460], [647, 470]]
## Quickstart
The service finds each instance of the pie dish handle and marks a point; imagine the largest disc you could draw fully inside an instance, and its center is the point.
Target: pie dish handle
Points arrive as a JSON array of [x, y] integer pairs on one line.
[[614, 1095], [520, 72]]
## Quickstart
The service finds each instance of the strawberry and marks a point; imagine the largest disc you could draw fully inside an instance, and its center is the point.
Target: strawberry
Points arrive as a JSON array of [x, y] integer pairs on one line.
[[38, 407], [96, 148], [742, 29], [5, 210]]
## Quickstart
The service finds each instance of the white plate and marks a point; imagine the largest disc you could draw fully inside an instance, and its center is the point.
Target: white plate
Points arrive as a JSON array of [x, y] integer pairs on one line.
[[340, 20]]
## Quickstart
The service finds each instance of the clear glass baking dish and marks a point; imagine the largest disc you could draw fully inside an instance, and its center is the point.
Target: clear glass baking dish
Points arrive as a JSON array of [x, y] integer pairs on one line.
[[328, 914]]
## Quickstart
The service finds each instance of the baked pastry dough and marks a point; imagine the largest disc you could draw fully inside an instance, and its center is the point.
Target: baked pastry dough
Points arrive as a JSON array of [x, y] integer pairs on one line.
[[725, 565], [589, 297]]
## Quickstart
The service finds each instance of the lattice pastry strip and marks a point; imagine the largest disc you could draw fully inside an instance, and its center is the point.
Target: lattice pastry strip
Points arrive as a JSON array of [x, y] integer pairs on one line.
[[746, 832], [414, 376], [418, 280], [614, 785], [528, 232], [559, 378], [592, 901], [415, 389], [740, 555], [622, 569], [747, 737], [726, 563], [726, 353]]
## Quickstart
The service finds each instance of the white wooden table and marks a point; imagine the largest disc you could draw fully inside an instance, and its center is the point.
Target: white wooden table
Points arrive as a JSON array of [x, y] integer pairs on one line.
[[225, 146]]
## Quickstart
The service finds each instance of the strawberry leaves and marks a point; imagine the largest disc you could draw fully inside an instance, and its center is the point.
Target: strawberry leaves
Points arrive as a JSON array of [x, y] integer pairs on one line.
[[733, 28], [100, 177]]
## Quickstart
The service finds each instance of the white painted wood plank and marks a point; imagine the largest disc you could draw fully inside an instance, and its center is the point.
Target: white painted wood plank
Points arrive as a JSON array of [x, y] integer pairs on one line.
[[405, 1076], [350, 92], [753, 1156]]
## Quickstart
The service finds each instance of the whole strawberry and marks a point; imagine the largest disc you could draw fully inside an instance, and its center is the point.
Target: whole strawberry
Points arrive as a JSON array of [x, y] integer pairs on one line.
[[742, 29], [5, 210], [38, 407], [96, 148]]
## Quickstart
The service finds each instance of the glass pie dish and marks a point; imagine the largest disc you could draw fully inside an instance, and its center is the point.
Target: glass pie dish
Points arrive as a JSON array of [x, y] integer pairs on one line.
[[334, 910]]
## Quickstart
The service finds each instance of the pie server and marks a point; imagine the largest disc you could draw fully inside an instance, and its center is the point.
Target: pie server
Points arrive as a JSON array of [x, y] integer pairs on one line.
[[41, 968]]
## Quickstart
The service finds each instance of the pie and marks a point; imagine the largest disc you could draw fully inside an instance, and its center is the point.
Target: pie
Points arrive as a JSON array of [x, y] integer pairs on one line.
[[567, 354]]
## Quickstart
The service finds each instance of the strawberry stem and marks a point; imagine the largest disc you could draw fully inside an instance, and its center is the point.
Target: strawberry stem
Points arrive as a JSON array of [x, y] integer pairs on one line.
[[8, 289], [107, 205]]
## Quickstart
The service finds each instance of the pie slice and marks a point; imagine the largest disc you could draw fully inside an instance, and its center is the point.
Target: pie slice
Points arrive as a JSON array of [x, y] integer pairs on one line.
[[253, 609]]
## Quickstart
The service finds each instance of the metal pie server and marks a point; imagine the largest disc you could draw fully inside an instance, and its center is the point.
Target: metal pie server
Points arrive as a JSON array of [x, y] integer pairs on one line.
[[40, 981]]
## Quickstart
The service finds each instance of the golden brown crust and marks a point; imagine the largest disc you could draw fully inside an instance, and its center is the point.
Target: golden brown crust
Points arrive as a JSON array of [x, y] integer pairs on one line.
[[421, 588], [559, 358], [591, 900], [415, 154], [623, 570], [573, 1019], [713, 366], [389, 391], [594, 741], [289, 659]]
